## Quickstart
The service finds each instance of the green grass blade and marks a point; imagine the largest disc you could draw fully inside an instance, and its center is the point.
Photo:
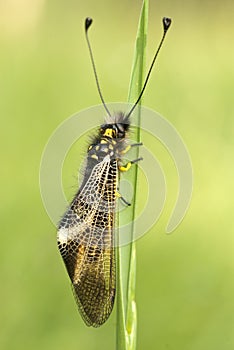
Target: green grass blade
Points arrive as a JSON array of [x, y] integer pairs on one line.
[[126, 256]]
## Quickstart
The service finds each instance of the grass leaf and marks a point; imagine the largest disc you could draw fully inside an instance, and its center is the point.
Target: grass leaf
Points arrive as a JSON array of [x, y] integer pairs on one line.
[[126, 255]]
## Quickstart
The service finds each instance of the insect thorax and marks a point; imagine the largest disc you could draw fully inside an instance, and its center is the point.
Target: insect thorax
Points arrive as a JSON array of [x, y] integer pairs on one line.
[[111, 139]]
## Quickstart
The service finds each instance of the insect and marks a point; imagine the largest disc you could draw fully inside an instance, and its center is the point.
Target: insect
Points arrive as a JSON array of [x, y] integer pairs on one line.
[[86, 231]]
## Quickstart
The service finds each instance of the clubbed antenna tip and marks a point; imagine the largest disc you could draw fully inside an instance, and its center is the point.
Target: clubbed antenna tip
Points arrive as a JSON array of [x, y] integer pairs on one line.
[[88, 23], [166, 23]]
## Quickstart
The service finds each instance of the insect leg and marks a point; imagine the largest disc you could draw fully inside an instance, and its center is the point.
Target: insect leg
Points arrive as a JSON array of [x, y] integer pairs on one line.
[[130, 146], [136, 144], [127, 166], [118, 195]]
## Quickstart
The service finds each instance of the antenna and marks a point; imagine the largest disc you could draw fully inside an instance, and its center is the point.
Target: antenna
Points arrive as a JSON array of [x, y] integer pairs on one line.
[[88, 23], [166, 24]]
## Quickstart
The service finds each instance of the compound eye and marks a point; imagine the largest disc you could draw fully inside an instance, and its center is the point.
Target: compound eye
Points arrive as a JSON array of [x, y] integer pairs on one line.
[[121, 129]]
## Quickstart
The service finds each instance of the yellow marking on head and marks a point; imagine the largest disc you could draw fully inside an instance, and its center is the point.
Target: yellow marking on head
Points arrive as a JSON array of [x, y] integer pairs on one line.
[[125, 167], [110, 133], [94, 156]]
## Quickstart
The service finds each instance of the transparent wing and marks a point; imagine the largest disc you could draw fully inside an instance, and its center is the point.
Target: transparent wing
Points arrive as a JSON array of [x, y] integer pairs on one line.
[[85, 241]]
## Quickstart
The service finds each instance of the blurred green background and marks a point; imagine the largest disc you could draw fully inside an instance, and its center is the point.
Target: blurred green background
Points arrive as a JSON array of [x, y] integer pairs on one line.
[[185, 289]]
